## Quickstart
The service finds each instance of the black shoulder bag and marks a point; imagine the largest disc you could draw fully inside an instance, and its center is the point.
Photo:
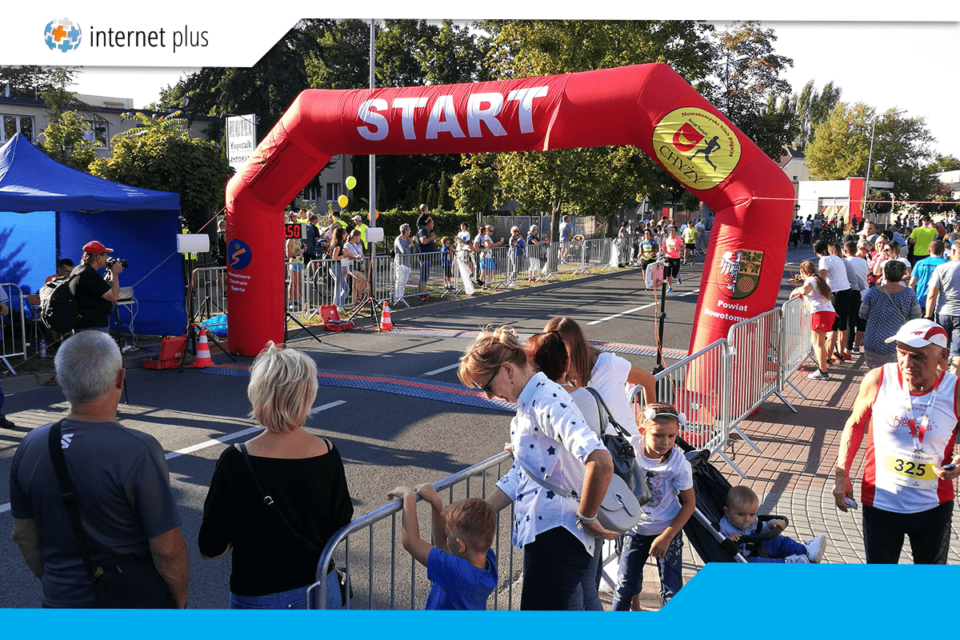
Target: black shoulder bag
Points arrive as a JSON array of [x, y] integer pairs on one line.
[[346, 589], [623, 454], [123, 582]]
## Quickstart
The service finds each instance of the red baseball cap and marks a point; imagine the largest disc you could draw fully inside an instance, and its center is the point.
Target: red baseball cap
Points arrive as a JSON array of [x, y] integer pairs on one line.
[[919, 333], [94, 247]]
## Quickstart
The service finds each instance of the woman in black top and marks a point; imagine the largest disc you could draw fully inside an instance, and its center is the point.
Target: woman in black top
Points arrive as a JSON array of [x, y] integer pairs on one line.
[[274, 562]]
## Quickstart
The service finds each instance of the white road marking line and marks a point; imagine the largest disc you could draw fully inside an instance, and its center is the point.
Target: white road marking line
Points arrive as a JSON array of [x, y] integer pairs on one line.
[[210, 443], [436, 371], [329, 405], [222, 439], [646, 306]]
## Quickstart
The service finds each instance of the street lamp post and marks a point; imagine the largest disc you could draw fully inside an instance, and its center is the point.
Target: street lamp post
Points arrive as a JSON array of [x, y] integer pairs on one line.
[[866, 186]]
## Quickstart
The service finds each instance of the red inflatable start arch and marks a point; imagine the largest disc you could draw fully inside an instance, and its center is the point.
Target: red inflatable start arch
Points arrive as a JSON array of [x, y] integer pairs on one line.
[[648, 106]]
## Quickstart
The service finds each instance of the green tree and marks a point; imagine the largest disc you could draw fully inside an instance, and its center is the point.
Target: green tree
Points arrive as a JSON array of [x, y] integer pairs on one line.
[[901, 149], [443, 197], [159, 154], [812, 109], [31, 81], [65, 140], [381, 194], [841, 145], [431, 197], [749, 72], [944, 163], [596, 181], [474, 188]]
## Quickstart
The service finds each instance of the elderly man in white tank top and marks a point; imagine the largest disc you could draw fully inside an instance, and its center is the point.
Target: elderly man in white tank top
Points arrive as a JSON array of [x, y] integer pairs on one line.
[[910, 411]]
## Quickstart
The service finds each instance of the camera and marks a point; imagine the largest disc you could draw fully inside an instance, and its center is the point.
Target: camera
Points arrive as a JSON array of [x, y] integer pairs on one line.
[[111, 261]]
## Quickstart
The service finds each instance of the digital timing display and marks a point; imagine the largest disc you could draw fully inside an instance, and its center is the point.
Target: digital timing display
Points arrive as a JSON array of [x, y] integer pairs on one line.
[[293, 231]]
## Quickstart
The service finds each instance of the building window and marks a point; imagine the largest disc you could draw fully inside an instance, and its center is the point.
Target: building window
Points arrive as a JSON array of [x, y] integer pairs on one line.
[[333, 191], [12, 125], [97, 134], [796, 178]]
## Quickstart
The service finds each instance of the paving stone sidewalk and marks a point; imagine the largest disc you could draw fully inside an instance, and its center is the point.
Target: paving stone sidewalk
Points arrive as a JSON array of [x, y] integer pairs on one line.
[[793, 474]]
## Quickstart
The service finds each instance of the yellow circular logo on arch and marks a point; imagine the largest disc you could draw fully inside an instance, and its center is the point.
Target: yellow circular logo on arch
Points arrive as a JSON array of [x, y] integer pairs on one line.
[[696, 147]]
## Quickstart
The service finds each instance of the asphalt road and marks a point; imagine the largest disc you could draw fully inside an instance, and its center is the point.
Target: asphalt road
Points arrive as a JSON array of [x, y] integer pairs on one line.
[[385, 439]]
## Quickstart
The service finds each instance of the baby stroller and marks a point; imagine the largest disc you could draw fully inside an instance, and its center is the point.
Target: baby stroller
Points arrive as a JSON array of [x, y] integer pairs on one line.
[[703, 529]]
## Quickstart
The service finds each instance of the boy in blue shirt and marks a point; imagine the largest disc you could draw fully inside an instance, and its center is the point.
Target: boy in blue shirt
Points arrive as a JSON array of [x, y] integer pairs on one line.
[[462, 568]]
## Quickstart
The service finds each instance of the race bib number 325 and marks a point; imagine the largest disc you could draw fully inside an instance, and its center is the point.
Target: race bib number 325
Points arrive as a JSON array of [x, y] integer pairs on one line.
[[911, 469]]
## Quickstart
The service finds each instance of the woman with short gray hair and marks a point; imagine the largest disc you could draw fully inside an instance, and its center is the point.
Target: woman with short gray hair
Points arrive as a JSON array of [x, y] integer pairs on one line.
[[277, 543], [886, 308]]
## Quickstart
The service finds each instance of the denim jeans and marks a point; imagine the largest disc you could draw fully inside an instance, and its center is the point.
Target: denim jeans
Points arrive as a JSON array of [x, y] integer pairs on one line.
[[591, 581], [636, 550], [293, 599], [778, 549]]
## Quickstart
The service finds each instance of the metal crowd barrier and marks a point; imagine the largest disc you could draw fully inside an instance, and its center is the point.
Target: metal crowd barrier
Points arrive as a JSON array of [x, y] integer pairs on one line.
[[383, 575], [795, 344], [209, 290], [721, 385], [394, 279], [699, 387], [10, 328]]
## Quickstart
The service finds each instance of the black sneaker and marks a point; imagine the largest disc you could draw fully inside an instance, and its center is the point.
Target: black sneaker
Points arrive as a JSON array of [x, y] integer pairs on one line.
[[6, 424]]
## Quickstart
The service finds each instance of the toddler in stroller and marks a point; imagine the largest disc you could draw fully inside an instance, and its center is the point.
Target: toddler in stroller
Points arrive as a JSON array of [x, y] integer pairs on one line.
[[714, 536], [741, 520]]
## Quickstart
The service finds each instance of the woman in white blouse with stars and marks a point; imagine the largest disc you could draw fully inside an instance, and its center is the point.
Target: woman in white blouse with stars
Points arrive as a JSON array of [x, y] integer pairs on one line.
[[549, 438]]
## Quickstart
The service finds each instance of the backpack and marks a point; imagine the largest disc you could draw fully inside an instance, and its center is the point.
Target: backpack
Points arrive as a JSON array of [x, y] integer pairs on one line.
[[59, 309]]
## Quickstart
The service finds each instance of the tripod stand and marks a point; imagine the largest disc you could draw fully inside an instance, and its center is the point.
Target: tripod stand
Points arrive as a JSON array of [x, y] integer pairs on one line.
[[289, 316], [194, 320]]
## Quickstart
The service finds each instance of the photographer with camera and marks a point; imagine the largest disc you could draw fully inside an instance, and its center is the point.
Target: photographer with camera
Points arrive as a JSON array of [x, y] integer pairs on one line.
[[96, 296]]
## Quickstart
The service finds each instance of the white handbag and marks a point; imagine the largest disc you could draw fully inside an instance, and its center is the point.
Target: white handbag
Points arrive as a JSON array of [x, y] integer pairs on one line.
[[619, 511]]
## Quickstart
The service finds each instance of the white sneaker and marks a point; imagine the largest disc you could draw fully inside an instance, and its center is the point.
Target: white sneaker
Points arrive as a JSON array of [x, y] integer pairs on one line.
[[815, 549], [796, 560], [818, 375]]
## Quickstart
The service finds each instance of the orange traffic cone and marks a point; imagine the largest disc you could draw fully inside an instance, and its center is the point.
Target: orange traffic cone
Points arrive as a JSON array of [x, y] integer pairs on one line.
[[385, 322], [203, 352]]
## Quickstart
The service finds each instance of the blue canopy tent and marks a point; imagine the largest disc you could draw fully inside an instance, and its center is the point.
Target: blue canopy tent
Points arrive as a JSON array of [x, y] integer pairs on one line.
[[49, 211]]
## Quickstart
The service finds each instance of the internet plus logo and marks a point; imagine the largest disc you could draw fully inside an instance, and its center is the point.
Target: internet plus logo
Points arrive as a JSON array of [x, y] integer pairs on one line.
[[62, 34]]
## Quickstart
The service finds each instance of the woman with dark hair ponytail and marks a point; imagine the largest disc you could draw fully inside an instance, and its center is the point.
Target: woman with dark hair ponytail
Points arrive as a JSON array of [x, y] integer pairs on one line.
[[817, 298]]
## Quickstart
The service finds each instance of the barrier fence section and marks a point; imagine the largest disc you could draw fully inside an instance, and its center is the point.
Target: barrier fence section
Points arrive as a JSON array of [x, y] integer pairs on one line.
[[12, 325], [383, 575], [754, 349], [209, 292], [795, 345]]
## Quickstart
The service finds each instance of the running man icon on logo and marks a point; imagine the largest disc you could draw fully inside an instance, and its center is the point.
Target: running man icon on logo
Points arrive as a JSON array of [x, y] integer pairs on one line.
[[711, 146]]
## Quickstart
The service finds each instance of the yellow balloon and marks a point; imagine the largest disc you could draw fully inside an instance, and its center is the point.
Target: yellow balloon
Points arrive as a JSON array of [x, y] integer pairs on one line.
[[342, 201]]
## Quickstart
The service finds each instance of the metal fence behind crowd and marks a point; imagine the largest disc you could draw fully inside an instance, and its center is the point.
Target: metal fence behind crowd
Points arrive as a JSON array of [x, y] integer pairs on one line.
[[345, 282], [13, 326]]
